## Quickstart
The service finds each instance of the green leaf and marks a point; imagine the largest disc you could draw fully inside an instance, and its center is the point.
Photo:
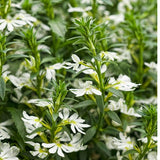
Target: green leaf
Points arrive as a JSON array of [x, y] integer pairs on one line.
[[116, 92], [47, 59], [85, 103], [100, 103], [16, 116], [58, 27], [2, 88], [114, 116], [111, 131], [40, 129], [102, 147], [131, 151], [83, 155], [19, 139], [109, 2], [89, 134], [139, 130], [17, 56]]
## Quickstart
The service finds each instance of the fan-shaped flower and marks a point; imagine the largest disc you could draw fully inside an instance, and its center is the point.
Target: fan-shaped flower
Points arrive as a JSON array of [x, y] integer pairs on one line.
[[7, 152], [74, 120], [4, 132], [85, 88], [40, 152], [123, 83], [31, 123]]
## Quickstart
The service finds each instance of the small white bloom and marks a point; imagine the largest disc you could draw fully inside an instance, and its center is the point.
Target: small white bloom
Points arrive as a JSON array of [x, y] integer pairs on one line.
[[123, 83], [124, 143], [23, 80], [7, 152], [108, 141], [31, 123], [40, 152], [122, 6], [74, 120], [152, 155], [109, 55], [56, 147], [117, 18], [85, 88], [130, 111], [75, 65], [113, 105], [76, 143], [5, 72], [79, 9], [124, 54], [151, 65], [10, 24], [26, 18], [119, 157], [40, 102], [145, 140], [50, 71], [151, 100], [4, 132]]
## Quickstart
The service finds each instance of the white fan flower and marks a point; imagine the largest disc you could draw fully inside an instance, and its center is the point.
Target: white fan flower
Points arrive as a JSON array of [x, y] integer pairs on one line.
[[50, 71], [26, 18], [130, 111], [76, 122], [79, 9], [117, 18], [10, 24], [145, 139], [123, 83], [85, 88], [5, 72], [76, 143], [113, 105], [152, 155], [7, 152], [151, 100], [56, 147], [108, 141], [109, 55], [151, 65], [23, 80], [124, 143], [40, 102], [38, 151], [119, 157], [75, 65], [4, 132], [31, 123]]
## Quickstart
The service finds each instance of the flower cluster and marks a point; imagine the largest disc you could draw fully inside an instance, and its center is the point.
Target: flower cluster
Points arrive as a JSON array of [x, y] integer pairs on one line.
[[78, 79]]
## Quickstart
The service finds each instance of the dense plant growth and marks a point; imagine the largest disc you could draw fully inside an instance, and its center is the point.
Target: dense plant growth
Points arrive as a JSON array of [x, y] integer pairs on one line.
[[78, 80]]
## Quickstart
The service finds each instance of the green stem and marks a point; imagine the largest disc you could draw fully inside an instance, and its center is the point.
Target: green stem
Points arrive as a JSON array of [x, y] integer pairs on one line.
[[142, 155], [140, 67], [101, 85]]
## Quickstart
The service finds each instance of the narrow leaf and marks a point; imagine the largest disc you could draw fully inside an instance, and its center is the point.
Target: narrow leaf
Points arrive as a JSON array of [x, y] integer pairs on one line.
[[85, 103], [116, 92], [89, 134], [2, 88], [102, 147], [100, 103], [58, 27], [114, 116], [16, 116]]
